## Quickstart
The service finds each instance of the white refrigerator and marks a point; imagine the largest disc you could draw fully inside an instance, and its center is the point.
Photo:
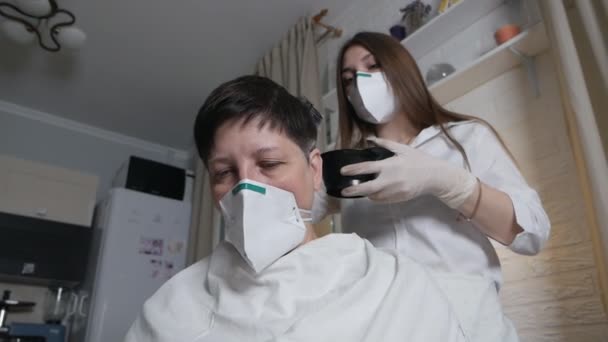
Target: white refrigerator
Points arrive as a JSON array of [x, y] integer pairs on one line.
[[141, 242]]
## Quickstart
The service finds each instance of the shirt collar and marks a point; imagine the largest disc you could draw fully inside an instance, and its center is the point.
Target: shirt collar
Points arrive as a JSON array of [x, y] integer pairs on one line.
[[431, 132]]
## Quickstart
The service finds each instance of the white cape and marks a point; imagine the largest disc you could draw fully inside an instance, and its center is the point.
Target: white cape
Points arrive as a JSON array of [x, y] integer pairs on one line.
[[336, 288]]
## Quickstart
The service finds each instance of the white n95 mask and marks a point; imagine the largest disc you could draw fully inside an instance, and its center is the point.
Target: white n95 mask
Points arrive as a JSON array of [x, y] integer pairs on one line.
[[372, 97], [262, 222]]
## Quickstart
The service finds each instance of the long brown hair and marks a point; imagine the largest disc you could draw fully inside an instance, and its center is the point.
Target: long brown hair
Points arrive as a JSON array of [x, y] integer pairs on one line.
[[405, 79]]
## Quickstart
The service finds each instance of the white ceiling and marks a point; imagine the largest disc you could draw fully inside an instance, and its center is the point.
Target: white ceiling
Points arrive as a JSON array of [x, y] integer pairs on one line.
[[148, 65]]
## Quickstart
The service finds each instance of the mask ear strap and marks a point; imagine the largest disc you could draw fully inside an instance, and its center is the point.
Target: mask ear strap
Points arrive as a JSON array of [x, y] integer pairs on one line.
[[306, 215]]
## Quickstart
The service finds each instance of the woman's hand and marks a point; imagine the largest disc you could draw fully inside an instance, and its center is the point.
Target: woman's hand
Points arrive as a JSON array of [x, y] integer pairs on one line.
[[409, 174]]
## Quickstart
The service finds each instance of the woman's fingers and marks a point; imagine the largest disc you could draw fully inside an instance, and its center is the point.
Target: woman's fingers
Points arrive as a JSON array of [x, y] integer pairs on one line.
[[363, 189], [363, 168]]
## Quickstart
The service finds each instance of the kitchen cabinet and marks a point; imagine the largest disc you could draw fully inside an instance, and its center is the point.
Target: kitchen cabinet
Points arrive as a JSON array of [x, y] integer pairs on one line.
[[48, 192]]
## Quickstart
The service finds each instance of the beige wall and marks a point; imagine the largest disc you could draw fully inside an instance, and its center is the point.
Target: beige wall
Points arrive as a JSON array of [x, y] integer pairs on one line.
[[554, 296]]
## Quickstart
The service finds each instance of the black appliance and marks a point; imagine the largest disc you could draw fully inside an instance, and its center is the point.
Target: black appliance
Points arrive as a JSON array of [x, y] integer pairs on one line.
[[152, 177], [43, 252]]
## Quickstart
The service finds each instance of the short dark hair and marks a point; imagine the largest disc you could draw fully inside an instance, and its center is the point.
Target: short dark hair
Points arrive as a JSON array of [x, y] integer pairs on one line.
[[250, 97]]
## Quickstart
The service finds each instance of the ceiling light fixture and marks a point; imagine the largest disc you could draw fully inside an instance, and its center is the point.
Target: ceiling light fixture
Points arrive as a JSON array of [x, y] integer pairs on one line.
[[28, 19]]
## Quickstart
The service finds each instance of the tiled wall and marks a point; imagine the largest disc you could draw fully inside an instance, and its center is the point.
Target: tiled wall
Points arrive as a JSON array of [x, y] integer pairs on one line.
[[554, 296]]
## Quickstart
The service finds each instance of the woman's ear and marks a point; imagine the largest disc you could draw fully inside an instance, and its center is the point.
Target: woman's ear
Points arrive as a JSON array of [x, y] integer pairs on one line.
[[316, 165]]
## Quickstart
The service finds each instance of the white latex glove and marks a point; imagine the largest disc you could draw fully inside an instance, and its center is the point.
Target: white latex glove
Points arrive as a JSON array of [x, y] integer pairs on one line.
[[409, 174]]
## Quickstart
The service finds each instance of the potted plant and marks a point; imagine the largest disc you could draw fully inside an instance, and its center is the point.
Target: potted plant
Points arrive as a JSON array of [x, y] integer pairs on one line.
[[414, 15]]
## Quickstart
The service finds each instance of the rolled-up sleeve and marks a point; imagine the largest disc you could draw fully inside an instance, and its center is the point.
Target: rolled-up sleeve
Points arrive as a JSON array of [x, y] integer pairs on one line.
[[494, 166]]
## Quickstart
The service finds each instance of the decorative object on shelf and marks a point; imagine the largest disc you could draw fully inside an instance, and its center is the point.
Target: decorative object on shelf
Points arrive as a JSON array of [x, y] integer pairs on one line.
[[445, 4], [438, 72], [42, 19], [398, 31], [519, 51], [329, 30], [415, 14], [505, 33]]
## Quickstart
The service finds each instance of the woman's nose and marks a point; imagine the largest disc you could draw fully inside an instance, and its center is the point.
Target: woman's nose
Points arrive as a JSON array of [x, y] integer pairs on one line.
[[249, 173]]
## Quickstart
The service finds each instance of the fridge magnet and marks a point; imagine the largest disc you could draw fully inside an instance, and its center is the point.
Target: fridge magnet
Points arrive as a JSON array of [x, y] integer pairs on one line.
[[169, 269], [150, 246], [175, 247], [156, 267]]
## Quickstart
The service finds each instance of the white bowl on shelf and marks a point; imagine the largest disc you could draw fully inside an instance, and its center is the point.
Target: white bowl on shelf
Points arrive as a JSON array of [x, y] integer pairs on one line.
[[438, 72]]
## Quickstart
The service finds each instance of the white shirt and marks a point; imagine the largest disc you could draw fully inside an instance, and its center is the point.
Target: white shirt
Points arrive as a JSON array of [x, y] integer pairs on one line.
[[336, 288], [427, 230]]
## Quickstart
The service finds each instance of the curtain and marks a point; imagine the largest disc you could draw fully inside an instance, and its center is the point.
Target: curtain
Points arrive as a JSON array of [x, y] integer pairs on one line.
[[205, 219], [293, 63], [581, 118]]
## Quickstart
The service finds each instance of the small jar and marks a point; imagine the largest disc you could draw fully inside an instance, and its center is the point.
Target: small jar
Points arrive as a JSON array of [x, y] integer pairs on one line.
[[505, 33]]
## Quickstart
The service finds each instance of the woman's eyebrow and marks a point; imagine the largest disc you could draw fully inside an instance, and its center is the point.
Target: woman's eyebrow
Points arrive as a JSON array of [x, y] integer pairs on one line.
[[263, 150], [365, 58], [218, 160]]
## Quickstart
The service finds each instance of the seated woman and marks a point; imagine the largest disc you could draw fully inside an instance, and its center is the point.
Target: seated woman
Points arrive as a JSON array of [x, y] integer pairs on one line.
[[273, 279]]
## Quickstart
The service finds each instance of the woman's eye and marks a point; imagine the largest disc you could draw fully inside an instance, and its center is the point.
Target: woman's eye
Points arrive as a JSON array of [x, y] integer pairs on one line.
[[222, 174], [270, 165], [374, 66]]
